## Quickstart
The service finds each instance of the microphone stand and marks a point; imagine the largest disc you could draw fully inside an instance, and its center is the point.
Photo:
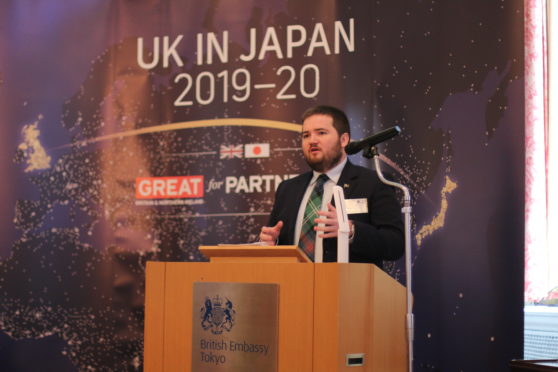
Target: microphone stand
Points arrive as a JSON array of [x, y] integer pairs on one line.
[[370, 153]]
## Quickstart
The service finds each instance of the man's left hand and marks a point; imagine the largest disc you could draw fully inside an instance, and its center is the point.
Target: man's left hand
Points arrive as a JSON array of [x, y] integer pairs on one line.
[[328, 221]]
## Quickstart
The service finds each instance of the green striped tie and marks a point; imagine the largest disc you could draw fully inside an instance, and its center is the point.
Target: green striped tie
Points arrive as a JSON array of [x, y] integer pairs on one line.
[[307, 239]]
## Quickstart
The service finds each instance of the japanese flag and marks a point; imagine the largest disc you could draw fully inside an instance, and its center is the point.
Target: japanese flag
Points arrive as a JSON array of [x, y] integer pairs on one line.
[[256, 150]]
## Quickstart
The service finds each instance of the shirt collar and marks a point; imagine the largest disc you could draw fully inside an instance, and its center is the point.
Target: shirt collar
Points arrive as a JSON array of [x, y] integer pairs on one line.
[[333, 174]]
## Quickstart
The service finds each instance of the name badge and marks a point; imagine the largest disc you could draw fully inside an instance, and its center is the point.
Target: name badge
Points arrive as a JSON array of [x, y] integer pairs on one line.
[[356, 206]]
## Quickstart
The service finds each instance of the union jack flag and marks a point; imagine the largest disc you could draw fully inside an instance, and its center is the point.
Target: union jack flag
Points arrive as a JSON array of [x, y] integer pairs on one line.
[[231, 151]]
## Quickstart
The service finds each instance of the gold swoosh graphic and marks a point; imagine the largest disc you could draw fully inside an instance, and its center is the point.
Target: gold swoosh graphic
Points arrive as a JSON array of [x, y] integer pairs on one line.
[[439, 220], [229, 122]]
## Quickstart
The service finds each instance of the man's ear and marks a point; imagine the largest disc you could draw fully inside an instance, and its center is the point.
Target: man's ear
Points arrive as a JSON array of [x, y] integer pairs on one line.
[[344, 139]]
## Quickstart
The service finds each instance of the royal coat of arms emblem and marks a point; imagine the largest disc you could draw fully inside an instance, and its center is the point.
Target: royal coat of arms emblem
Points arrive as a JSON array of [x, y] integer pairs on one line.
[[216, 316]]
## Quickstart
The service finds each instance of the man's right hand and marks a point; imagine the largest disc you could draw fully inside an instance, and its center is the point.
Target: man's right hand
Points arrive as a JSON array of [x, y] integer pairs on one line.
[[269, 235]]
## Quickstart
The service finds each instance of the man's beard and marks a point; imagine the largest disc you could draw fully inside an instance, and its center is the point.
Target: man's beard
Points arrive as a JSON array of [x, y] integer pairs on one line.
[[328, 161]]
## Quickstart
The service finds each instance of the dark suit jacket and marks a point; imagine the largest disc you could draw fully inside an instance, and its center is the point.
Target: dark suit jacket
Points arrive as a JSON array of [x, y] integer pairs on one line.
[[378, 234]]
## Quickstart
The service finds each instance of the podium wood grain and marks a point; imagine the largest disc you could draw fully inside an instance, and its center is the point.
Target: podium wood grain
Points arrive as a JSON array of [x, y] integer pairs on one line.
[[295, 310], [325, 312], [358, 309], [154, 316]]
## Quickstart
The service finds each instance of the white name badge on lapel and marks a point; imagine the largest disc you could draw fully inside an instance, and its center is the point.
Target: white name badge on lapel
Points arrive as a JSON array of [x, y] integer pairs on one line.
[[356, 206]]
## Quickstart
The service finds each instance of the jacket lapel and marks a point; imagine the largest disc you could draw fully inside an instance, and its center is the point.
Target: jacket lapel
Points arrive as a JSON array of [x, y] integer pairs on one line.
[[348, 179]]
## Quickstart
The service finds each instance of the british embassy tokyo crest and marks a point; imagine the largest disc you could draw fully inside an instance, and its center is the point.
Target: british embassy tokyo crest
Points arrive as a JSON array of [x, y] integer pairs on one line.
[[216, 316]]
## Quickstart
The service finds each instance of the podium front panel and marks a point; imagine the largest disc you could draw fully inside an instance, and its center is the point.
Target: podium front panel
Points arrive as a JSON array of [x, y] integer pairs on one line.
[[295, 308], [327, 312]]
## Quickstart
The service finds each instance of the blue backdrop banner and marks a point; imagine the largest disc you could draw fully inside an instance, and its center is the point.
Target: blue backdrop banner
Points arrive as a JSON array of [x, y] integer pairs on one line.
[[135, 131]]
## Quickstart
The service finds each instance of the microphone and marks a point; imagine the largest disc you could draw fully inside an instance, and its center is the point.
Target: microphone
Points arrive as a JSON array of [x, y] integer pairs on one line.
[[355, 146]]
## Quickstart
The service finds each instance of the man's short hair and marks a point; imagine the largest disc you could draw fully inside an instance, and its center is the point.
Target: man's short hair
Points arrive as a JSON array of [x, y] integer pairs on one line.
[[340, 121]]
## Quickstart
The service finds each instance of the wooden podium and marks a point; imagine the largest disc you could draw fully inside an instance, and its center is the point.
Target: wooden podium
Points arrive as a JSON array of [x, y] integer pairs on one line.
[[326, 311]]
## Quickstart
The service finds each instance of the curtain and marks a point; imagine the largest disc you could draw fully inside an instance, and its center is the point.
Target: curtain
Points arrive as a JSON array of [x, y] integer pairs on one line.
[[536, 250], [541, 111]]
